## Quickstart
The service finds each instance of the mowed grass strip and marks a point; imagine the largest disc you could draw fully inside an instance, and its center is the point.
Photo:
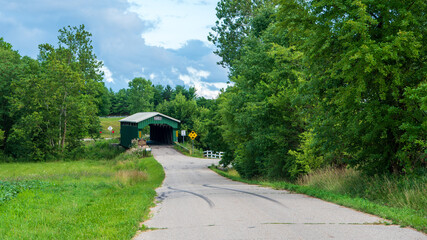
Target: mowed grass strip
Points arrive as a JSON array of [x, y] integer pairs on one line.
[[84, 199], [389, 201]]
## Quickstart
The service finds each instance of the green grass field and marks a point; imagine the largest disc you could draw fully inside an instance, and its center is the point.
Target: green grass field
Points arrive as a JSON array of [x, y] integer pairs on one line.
[[403, 200], [113, 122], [85, 199]]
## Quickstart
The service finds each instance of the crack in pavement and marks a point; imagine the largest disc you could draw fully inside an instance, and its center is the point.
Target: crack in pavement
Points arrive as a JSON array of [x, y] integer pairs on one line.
[[308, 223], [250, 193], [210, 203]]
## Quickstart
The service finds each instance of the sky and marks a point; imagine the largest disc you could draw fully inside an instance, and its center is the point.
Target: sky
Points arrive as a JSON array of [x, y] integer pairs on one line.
[[164, 41]]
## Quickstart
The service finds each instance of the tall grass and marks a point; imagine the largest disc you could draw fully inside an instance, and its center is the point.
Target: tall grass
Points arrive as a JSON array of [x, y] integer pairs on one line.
[[402, 192], [93, 198], [400, 199]]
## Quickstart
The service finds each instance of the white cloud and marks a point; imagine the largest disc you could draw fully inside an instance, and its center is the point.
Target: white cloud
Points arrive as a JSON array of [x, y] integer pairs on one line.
[[204, 89], [175, 21], [108, 75], [153, 76]]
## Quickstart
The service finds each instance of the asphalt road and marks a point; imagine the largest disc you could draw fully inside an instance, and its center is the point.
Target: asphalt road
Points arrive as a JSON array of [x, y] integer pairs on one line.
[[196, 203]]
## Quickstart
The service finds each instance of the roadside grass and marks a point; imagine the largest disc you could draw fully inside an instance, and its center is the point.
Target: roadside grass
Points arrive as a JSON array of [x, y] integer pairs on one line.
[[113, 122], [85, 199], [185, 148], [401, 200]]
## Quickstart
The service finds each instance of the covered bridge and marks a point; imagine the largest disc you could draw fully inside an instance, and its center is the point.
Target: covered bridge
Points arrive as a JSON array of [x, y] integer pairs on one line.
[[162, 128]]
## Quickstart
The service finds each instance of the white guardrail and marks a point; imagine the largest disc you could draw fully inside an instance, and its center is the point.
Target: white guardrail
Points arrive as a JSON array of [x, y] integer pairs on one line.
[[211, 154]]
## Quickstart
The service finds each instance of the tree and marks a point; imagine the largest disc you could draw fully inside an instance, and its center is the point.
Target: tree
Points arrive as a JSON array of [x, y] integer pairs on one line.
[[141, 95], [158, 95], [190, 94], [106, 105], [208, 125], [120, 103], [77, 43], [167, 93]]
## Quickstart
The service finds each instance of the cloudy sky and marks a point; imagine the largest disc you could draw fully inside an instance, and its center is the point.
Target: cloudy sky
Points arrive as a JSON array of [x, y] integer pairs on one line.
[[162, 40]]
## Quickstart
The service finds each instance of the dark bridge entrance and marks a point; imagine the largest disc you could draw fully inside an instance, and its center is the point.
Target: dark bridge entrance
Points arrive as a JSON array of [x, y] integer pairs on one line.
[[162, 128], [161, 133]]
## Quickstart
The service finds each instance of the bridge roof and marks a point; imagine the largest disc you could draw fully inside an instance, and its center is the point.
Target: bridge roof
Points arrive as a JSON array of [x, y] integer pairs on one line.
[[139, 117]]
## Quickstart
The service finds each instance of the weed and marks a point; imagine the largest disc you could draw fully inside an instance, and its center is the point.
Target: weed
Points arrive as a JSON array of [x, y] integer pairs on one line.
[[10, 189]]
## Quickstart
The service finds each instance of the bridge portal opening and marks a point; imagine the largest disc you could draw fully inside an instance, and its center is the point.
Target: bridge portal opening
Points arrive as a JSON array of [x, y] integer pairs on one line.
[[161, 133]]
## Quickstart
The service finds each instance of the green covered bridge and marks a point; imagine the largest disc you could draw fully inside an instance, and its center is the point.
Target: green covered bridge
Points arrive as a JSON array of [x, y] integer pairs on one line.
[[163, 129]]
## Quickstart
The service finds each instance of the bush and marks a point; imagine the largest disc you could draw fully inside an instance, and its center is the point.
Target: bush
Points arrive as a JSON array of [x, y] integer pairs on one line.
[[98, 150]]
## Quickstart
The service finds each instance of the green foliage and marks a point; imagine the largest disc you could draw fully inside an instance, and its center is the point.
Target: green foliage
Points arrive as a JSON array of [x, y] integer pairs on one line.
[[307, 156], [180, 108], [1, 137], [208, 126], [98, 150], [120, 103], [11, 68], [363, 58], [11, 189], [141, 94], [260, 122]]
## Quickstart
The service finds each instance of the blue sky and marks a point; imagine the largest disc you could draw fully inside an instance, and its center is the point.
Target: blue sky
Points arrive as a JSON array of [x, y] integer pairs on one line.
[[162, 40]]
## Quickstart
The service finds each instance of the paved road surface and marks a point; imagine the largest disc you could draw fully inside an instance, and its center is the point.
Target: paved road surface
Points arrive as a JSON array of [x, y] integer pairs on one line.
[[196, 203]]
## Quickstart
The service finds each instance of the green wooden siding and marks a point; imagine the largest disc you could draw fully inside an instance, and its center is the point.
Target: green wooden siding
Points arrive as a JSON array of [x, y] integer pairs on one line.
[[127, 133]]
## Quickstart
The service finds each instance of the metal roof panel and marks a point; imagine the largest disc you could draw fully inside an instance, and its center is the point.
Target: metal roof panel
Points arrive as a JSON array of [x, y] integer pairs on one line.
[[139, 117]]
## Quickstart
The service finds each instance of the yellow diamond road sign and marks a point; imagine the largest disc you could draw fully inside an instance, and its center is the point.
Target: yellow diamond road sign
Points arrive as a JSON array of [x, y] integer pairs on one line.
[[192, 135]]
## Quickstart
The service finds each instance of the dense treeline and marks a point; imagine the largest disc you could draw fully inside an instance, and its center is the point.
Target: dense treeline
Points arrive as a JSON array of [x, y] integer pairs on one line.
[[323, 83], [142, 95]]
